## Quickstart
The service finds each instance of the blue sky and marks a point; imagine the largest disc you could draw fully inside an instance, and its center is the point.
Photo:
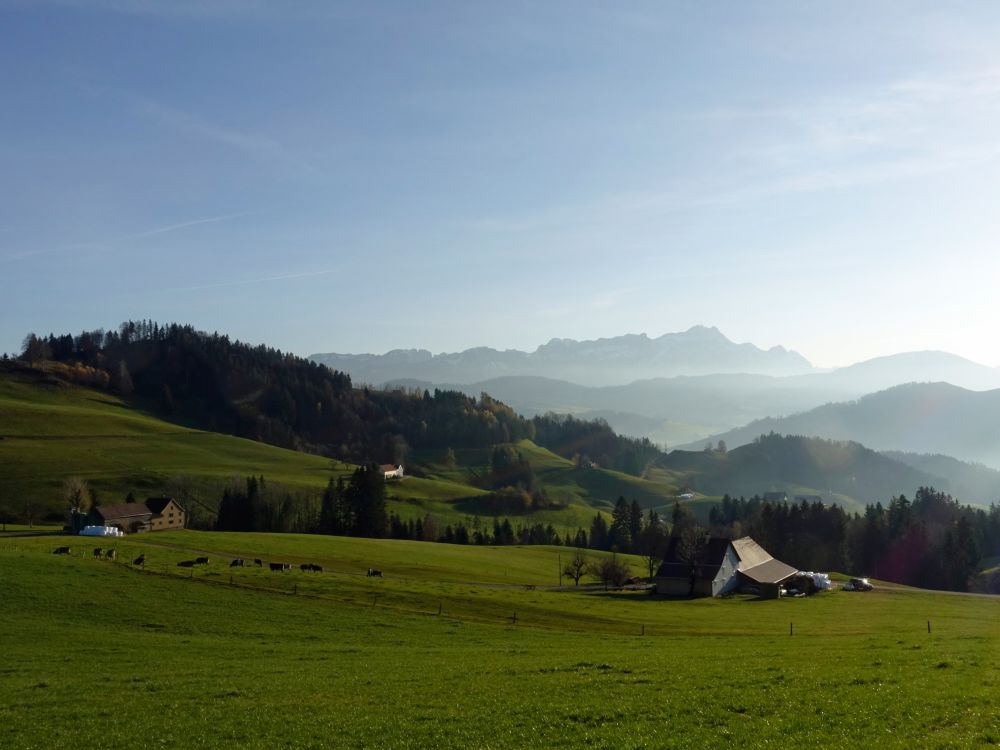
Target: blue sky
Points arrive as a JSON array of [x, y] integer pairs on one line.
[[365, 176]]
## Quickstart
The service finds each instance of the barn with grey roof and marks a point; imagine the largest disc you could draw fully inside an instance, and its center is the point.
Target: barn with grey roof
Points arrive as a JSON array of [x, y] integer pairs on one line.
[[720, 566]]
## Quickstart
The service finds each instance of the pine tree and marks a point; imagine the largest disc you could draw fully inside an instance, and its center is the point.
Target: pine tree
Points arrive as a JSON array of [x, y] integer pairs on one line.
[[621, 538]]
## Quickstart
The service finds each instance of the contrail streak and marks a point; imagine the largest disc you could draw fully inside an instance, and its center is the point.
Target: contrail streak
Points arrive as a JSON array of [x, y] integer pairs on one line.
[[124, 238]]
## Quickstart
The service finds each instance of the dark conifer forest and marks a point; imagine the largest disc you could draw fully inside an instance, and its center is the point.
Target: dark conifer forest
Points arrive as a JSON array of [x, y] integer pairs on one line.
[[267, 395]]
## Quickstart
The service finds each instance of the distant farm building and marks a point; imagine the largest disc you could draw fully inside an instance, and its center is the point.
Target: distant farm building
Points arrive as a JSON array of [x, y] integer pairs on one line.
[[721, 566], [156, 514], [776, 497], [389, 471]]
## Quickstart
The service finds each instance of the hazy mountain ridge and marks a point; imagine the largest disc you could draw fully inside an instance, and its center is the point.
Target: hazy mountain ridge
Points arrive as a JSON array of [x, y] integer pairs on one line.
[[681, 409], [837, 471], [967, 480], [618, 360], [922, 418]]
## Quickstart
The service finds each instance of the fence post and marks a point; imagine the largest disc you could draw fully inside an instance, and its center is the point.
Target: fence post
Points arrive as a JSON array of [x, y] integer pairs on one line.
[[928, 626], [644, 629], [791, 629]]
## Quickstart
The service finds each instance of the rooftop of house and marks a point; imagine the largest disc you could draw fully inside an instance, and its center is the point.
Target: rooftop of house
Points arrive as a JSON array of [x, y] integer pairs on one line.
[[157, 504], [123, 510]]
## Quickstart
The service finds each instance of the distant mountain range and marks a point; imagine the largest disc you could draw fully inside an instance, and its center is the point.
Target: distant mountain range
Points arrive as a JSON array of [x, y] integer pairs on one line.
[[610, 361], [735, 384]]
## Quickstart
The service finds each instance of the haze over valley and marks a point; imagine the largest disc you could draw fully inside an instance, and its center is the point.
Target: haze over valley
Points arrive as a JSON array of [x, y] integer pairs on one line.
[[685, 389]]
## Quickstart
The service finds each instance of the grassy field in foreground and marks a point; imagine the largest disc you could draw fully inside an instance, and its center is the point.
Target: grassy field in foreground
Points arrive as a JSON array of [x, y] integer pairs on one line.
[[100, 655]]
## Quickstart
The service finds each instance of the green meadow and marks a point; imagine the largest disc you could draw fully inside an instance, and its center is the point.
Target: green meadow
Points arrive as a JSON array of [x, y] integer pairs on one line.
[[101, 654], [51, 430]]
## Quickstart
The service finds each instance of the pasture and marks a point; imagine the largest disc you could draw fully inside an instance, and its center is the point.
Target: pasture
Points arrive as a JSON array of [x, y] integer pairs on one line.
[[51, 430], [98, 653]]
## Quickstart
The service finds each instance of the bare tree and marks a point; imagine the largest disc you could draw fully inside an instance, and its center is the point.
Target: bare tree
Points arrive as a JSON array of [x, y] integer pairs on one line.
[[612, 572], [689, 550], [652, 544], [78, 495], [577, 567]]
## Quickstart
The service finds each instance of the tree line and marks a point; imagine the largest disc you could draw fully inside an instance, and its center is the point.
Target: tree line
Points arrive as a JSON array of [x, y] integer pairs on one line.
[[931, 541], [271, 396]]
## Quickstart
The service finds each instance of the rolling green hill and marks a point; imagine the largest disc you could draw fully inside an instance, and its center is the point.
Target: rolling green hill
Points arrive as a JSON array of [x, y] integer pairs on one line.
[[51, 430], [842, 472], [307, 660]]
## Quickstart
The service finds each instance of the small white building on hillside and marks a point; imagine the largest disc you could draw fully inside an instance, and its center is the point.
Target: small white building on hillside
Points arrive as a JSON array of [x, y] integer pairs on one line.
[[392, 472]]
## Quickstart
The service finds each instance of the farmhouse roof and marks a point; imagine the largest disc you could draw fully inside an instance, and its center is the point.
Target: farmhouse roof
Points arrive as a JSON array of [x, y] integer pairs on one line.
[[388, 467], [757, 564], [157, 504], [750, 553], [125, 510], [772, 571]]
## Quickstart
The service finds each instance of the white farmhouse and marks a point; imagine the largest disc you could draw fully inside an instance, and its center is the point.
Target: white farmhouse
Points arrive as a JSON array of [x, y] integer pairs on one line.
[[390, 471]]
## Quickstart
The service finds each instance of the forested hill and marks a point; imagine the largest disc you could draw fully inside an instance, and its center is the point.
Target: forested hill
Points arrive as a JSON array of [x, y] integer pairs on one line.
[[213, 382], [794, 464]]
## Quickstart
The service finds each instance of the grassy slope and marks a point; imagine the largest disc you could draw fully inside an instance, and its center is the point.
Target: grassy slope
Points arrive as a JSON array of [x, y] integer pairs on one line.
[[581, 489], [52, 431], [203, 665]]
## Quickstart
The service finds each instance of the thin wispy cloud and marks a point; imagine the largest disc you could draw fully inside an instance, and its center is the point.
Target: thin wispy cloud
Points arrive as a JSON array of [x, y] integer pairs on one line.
[[184, 225], [256, 145], [195, 9], [907, 129], [116, 241]]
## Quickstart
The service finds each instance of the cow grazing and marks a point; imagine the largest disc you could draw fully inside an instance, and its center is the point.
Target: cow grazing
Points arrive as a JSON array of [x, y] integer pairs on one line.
[[110, 554], [140, 560], [305, 567], [61, 551], [185, 564], [237, 563], [276, 566], [98, 552], [317, 568], [373, 573], [201, 561], [258, 562]]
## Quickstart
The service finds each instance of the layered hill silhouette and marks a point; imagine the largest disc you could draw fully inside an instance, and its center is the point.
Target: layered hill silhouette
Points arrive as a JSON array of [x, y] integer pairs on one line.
[[675, 390], [618, 360], [923, 418], [844, 472], [195, 380]]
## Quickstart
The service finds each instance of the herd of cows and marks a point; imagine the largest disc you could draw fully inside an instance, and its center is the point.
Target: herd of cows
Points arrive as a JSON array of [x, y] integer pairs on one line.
[[239, 562]]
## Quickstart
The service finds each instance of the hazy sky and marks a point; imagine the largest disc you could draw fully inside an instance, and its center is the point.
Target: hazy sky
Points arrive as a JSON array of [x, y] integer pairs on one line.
[[365, 176]]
